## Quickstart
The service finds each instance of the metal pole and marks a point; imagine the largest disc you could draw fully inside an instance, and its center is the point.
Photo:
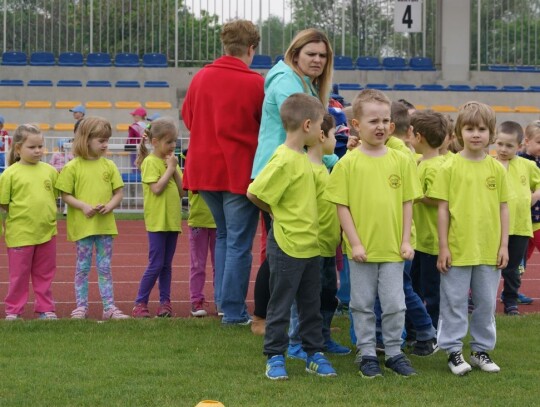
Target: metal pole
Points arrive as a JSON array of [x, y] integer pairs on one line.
[[343, 28], [176, 34], [260, 25], [5, 26], [424, 30], [478, 35], [92, 26]]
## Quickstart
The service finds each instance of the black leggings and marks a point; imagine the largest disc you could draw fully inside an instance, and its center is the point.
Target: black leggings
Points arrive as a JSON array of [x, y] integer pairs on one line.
[[261, 291]]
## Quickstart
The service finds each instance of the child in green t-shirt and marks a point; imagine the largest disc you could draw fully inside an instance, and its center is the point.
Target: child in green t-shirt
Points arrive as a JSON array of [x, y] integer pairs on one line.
[[473, 239], [286, 189]]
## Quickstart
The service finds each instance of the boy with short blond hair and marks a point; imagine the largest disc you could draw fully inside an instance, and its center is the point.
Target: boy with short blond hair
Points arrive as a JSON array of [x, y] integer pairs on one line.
[[377, 245], [286, 189]]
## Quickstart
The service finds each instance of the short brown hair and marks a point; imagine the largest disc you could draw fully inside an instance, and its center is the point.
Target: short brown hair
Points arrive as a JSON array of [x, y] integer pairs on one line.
[[474, 114], [298, 108], [399, 114], [532, 129], [368, 96], [512, 128], [433, 126], [238, 35], [90, 128], [328, 123]]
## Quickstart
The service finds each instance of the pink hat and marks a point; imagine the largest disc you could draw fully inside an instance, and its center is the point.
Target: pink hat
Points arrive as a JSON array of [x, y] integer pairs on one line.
[[139, 112]]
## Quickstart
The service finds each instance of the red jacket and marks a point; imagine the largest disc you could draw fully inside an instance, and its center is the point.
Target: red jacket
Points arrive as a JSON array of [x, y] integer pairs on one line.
[[222, 110]]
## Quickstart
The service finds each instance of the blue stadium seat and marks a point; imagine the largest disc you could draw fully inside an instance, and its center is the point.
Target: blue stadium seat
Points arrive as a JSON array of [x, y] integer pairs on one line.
[[368, 64], [513, 88], [405, 86], [39, 82], [350, 86], [394, 64], [14, 58], [432, 87], [278, 58], [131, 177], [98, 84], [379, 86], [534, 89], [261, 62], [343, 63], [98, 59], [42, 58], [70, 59], [500, 68], [11, 82], [525, 68], [421, 64], [126, 60], [127, 84], [156, 84], [154, 61], [69, 83], [459, 88], [486, 88]]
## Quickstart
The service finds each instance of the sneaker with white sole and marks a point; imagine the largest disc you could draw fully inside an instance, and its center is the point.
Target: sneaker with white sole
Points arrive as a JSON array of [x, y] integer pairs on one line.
[[13, 317], [482, 361], [49, 316], [275, 368], [296, 352], [457, 364], [197, 309], [114, 313], [79, 313], [319, 365], [425, 348]]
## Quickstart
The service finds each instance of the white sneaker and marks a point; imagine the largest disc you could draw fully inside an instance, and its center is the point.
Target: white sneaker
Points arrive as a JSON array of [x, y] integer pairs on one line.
[[114, 313], [12, 317], [457, 364], [79, 313], [482, 361], [49, 315]]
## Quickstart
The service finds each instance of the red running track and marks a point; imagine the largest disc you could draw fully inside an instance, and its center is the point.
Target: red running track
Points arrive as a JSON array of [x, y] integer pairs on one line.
[[130, 256]]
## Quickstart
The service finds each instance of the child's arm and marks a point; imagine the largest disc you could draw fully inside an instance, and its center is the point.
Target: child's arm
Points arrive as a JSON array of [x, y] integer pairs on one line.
[[260, 204], [407, 251], [158, 187], [87, 209], [502, 256], [118, 195], [444, 261], [179, 185], [347, 224], [535, 197], [5, 207]]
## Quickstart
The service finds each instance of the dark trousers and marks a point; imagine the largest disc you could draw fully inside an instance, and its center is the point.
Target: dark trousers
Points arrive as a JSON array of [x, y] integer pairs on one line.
[[292, 279], [517, 246], [261, 290], [426, 281]]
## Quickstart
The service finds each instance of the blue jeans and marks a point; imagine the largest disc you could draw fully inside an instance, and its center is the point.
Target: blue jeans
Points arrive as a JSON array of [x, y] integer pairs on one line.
[[236, 220]]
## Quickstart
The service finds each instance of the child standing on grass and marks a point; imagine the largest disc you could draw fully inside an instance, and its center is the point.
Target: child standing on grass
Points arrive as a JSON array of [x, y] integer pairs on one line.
[[374, 187], [523, 179], [202, 237], [286, 189], [473, 239], [162, 192], [91, 186], [28, 196]]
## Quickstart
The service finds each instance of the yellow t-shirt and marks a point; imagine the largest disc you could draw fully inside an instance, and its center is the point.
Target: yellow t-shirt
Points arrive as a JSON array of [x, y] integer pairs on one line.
[[93, 182], [287, 185], [425, 216], [374, 189], [163, 212], [199, 213], [29, 192], [329, 229], [523, 178], [474, 191]]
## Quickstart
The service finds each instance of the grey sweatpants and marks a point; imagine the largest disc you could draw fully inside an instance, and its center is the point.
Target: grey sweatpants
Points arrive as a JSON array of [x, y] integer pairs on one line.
[[386, 280], [483, 282]]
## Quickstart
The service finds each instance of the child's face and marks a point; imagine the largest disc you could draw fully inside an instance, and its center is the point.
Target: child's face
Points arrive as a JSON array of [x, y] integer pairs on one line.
[[98, 146], [374, 124], [329, 142], [506, 146], [31, 150], [165, 146], [475, 137], [313, 132], [532, 145]]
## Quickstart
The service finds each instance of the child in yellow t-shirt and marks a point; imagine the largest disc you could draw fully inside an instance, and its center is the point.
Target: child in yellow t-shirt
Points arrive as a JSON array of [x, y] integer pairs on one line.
[[523, 179], [473, 239], [374, 187], [286, 189], [28, 196], [162, 191]]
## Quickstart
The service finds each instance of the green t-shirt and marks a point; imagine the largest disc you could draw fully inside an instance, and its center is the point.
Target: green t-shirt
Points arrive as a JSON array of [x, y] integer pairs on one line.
[[474, 191], [163, 212], [329, 230], [93, 182], [29, 192], [287, 185], [199, 213], [523, 178], [425, 216], [374, 189]]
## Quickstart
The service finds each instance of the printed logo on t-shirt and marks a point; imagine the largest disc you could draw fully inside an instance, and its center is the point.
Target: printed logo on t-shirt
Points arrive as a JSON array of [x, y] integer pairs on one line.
[[523, 180], [491, 183], [106, 177], [47, 184], [394, 181]]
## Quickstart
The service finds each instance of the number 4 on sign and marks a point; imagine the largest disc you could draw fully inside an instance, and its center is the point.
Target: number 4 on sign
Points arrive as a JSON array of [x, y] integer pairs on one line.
[[408, 16]]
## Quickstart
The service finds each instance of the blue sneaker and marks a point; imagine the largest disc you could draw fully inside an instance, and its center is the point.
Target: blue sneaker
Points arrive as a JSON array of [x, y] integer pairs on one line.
[[335, 348], [296, 352], [275, 368], [400, 365], [318, 364], [369, 367], [524, 300]]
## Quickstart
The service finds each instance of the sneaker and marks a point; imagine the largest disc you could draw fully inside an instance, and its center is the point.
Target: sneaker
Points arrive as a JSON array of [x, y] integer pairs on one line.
[[245, 322], [79, 313], [197, 309], [335, 348], [275, 368], [219, 312], [457, 364], [164, 310], [425, 348], [114, 313], [524, 300], [140, 310], [511, 310], [400, 365], [369, 367], [482, 361], [318, 364], [296, 352], [49, 315], [12, 317]]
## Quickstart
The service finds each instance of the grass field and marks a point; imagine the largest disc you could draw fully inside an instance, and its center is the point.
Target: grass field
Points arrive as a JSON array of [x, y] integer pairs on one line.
[[179, 362]]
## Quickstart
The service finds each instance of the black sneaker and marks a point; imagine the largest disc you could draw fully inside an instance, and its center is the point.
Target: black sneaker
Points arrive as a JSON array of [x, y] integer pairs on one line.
[[400, 365], [457, 364], [369, 367], [511, 310], [425, 348]]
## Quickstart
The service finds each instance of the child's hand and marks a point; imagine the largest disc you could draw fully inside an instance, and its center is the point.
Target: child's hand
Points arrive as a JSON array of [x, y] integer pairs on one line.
[[407, 252], [353, 142], [88, 210], [444, 261], [502, 258], [103, 209], [172, 161], [359, 253]]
